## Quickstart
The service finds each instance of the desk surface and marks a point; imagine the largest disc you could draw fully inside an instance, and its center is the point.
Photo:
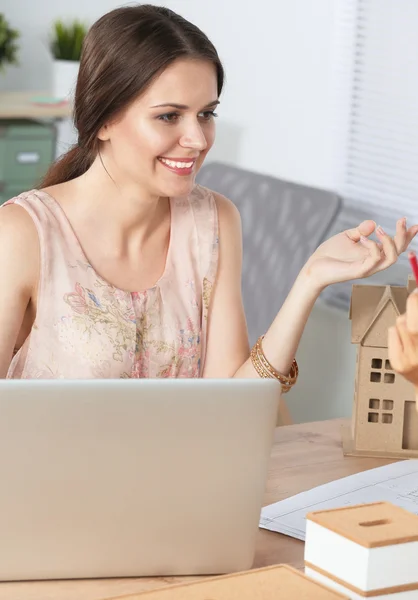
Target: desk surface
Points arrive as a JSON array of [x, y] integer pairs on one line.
[[303, 457], [20, 105]]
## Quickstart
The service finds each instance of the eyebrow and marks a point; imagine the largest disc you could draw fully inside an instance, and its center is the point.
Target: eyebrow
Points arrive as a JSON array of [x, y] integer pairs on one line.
[[182, 106]]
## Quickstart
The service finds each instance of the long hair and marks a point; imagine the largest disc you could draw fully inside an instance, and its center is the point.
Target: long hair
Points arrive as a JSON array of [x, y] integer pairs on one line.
[[123, 53]]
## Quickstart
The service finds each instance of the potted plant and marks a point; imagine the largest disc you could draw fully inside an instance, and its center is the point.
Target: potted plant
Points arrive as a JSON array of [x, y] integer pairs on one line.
[[8, 45], [66, 44]]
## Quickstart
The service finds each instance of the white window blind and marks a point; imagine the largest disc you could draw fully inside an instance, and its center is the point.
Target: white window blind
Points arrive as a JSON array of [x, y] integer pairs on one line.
[[376, 118], [378, 55]]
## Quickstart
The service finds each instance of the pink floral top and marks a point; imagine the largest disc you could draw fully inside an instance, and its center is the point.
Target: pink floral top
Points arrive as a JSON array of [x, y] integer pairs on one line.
[[87, 328]]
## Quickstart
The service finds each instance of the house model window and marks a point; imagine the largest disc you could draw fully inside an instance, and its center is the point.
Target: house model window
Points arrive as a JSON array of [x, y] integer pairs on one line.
[[377, 371], [384, 420]]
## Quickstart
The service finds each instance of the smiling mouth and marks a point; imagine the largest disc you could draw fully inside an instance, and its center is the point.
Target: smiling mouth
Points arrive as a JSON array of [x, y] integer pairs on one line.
[[177, 164]]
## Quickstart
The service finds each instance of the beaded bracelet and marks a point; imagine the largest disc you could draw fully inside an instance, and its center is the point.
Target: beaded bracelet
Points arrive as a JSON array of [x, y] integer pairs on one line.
[[266, 370]]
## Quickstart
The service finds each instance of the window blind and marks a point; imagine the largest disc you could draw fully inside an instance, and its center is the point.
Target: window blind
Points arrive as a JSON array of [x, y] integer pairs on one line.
[[376, 118]]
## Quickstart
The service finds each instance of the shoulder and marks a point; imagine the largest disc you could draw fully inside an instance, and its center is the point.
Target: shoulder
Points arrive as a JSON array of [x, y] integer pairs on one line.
[[19, 237], [15, 219], [229, 218], [228, 214]]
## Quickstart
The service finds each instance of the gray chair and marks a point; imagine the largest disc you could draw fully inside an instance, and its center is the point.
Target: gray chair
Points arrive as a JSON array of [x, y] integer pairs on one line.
[[283, 223]]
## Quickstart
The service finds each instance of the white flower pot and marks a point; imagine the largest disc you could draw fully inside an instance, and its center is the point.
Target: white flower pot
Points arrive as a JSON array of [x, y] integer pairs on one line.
[[64, 78]]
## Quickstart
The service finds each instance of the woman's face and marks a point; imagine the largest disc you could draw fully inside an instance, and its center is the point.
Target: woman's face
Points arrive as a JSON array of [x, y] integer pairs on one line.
[[163, 137]]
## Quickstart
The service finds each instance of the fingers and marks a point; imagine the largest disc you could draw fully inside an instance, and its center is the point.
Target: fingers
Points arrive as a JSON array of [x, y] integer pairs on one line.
[[410, 234], [393, 247], [404, 236], [365, 229], [403, 346], [401, 236], [404, 335], [400, 242], [389, 247], [381, 254], [374, 256], [395, 349], [412, 313]]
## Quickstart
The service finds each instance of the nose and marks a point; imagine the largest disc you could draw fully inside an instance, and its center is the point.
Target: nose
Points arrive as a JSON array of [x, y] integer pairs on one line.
[[193, 137]]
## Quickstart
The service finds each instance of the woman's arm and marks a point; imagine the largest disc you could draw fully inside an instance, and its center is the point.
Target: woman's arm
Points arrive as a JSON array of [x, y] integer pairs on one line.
[[348, 255], [19, 272]]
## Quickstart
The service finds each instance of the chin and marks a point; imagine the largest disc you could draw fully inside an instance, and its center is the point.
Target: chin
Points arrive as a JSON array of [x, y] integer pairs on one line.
[[178, 188]]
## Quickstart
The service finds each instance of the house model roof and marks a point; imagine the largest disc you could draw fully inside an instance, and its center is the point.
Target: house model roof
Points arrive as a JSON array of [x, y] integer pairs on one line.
[[368, 302]]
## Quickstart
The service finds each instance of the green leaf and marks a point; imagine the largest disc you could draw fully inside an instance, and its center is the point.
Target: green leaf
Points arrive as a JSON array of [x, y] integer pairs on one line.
[[67, 40], [8, 46]]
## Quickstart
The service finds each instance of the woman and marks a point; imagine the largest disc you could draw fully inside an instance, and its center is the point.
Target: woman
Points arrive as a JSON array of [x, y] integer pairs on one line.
[[120, 265]]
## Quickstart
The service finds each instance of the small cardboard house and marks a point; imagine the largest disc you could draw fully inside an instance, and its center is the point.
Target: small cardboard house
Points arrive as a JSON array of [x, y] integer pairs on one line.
[[384, 421]]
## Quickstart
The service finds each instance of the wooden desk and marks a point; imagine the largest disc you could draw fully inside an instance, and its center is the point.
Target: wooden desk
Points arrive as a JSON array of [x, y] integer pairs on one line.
[[19, 105], [303, 456]]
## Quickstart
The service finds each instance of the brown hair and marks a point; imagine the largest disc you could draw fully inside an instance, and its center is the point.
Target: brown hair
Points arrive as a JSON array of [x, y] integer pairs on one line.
[[122, 54]]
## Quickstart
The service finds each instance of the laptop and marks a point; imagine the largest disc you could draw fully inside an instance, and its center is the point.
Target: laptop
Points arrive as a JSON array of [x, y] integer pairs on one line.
[[115, 478]]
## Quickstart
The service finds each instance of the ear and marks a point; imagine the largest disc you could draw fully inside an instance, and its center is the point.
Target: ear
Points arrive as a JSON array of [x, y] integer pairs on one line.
[[104, 133]]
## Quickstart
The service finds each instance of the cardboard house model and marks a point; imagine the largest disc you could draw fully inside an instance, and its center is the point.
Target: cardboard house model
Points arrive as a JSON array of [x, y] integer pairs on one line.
[[385, 420]]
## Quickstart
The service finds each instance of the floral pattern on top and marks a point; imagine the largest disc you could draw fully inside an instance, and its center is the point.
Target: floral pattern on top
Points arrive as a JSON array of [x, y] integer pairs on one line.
[[87, 328]]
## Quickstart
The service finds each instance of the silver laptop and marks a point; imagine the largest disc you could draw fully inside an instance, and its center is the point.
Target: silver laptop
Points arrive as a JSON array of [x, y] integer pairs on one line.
[[112, 478]]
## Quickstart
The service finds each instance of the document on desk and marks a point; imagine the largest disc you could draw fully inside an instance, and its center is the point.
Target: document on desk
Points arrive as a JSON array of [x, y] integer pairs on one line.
[[396, 483]]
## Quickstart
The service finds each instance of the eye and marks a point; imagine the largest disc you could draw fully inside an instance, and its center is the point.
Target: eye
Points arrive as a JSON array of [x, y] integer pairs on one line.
[[169, 117], [208, 115]]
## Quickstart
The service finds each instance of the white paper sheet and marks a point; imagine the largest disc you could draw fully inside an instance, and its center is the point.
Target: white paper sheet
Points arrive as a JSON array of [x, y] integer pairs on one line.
[[396, 483]]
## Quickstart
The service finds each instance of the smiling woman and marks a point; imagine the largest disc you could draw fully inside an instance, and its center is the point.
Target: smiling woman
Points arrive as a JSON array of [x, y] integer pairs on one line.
[[120, 265], [165, 137]]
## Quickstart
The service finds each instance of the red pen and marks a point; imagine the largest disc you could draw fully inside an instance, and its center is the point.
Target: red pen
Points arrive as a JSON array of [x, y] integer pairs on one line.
[[414, 264]]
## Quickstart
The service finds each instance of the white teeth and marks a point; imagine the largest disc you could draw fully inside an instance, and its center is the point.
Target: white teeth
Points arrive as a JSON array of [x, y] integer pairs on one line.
[[176, 164]]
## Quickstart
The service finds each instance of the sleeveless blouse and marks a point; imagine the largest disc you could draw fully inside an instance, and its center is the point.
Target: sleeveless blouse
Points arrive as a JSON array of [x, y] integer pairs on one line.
[[87, 328]]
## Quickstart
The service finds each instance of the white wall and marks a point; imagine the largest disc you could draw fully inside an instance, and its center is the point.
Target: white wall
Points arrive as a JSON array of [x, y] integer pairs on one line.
[[275, 118], [275, 112]]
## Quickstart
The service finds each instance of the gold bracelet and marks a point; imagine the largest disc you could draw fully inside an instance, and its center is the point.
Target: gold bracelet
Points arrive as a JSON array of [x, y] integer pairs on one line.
[[266, 370]]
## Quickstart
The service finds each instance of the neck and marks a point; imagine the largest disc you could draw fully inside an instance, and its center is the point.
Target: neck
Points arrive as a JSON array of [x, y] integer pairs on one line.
[[124, 213], [124, 204]]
